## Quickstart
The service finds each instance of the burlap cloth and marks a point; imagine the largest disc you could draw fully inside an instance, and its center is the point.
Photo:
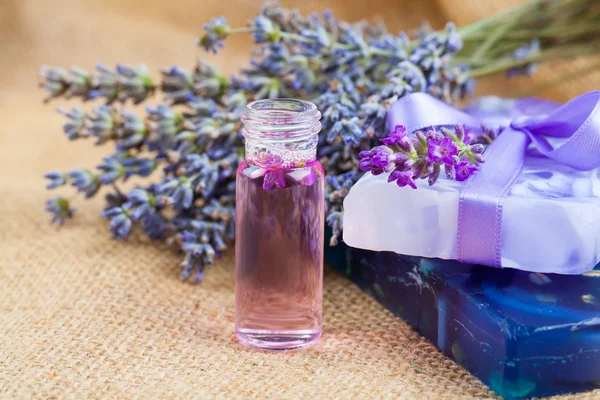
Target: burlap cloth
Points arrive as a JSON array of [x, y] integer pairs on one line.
[[83, 316]]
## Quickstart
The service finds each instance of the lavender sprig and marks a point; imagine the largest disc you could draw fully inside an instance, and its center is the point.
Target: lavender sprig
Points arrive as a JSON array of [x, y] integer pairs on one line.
[[423, 155], [124, 83], [199, 148]]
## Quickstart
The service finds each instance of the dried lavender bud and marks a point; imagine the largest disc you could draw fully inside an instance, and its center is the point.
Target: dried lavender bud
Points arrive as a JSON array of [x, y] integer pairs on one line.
[[75, 126], [120, 222], [434, 175], [464, 170], [56, 178], [477, 148], [450, 171], [60, 209], [459, 131], [215, 33], [85, 181]]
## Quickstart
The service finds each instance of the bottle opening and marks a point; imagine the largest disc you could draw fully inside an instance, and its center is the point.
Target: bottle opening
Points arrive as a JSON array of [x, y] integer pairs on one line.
[[286, 129]]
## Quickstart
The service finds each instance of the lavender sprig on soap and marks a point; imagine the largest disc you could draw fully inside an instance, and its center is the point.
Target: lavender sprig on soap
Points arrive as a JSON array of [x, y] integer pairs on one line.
[[424, 155]]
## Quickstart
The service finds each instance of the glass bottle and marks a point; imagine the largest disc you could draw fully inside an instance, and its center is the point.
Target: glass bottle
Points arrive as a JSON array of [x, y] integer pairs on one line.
[[279, 227]]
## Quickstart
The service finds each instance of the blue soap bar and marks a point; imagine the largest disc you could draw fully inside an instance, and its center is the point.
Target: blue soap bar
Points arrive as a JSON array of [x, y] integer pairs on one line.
[[523, 334]]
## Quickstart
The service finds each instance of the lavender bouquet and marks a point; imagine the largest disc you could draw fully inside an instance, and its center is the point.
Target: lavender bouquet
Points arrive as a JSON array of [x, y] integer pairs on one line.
[[189, 147]]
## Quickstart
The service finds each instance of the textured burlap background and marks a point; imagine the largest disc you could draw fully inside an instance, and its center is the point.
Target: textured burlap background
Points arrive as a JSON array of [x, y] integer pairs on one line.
[[83, 316]]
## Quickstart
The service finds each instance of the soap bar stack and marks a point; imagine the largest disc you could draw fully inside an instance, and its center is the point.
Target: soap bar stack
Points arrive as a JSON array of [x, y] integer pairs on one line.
[[522, 333]]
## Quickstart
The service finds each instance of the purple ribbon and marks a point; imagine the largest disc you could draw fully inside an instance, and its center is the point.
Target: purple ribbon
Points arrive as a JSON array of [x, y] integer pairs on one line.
[[479, 235]]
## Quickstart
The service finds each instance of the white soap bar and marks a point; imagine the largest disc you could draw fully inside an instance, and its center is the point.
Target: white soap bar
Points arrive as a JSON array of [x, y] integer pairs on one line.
[[551, 219]]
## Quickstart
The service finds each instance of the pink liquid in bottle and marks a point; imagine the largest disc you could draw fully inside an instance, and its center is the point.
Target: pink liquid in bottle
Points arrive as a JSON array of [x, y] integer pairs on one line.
[[279, 245]]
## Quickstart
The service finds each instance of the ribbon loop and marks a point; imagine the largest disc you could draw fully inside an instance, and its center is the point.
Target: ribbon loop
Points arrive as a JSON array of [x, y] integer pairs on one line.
[[479, 235], [523, 121]]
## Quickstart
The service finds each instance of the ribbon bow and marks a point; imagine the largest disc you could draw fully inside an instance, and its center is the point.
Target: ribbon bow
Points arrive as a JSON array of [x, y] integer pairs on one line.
[[479, 235]]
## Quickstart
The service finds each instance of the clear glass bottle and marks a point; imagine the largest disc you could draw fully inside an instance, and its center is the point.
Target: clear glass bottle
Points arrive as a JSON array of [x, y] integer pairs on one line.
[[279, 227]]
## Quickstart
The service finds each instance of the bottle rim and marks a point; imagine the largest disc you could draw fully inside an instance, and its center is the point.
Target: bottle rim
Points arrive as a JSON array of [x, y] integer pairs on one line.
[[280, 119]]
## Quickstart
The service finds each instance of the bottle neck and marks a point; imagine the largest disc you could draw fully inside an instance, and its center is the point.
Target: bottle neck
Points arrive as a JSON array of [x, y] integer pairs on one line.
[[281, 133]]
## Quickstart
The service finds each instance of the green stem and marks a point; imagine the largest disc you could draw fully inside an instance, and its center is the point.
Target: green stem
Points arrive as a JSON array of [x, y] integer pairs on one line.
[[119, 193], [557, 53], [481, 24], [559, 32], [241, 30], [491, 55], [493, 38]]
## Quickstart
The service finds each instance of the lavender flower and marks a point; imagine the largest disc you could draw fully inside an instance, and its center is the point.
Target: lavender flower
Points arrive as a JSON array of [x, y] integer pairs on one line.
[[378, 160], [397, 137], [112, 169], [138, 166], [528, 51], [274, 177], [155, 225], [74, 127], [349, 130], [101, 124], [178, 84], [60, 209], [204, 83], [402, 178], [442, 150], [85, 181], [140, 203], [54, 80], [464, 170], [336, 189], [208, 82], [215, 32], [143, 206], [131, 131], [179, 192], [336, 221], [265, 30], [201, 244], [120, 222], [59, 82], [134, 83], [105, 84], [124, 83], [56, 179]]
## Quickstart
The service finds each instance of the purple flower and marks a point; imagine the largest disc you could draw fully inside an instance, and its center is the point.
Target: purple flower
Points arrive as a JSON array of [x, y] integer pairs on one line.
[[275, 177], [85, 181], [60, 209], [309, 178], [441, 150], [265, 30], [464, 170], [402, 178], [56, 179], [140, 203], [463, 133], [396, 137], [269, 160], [378, 159], [74, 126], [120, 222], [216, 32]]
